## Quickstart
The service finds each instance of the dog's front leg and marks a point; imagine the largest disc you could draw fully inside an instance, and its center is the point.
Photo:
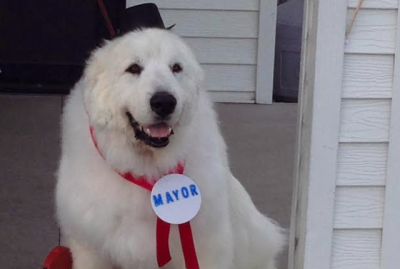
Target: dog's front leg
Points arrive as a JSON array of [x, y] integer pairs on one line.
[[85, 257], [217, 251]]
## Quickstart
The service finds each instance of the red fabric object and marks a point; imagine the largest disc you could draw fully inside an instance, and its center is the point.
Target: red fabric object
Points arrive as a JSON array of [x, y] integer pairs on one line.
[[142, 182], [162, 237], [59, 258], [107, 20], [188, 248]]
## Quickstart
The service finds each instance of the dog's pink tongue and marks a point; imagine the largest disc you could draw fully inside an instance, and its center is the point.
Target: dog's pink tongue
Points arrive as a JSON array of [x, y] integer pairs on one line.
[[158, 130]]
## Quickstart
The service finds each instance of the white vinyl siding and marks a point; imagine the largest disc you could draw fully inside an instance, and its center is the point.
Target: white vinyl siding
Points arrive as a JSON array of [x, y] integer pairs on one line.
[[373, 32], [362, 164], [360, 249], [224, 36], [367, 76], [367, 90], [364, 229]]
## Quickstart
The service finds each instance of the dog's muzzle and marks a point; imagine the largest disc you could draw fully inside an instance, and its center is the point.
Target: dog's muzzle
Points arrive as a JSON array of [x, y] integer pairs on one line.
[[155, 135]]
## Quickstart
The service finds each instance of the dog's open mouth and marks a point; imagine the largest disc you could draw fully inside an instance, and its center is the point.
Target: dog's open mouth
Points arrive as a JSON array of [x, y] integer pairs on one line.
[[155, 135]]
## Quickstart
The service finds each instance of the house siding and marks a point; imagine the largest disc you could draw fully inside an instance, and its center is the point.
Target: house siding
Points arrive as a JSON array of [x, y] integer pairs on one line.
[[224, 36], [366, 106]]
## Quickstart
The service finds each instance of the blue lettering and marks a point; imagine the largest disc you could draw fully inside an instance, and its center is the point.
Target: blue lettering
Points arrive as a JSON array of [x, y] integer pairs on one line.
[[193, 190], [176, 192], [169, 197], [157, 200], [185, 192]]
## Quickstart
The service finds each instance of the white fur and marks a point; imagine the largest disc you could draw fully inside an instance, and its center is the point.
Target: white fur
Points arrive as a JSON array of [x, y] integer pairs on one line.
[[107, 221]]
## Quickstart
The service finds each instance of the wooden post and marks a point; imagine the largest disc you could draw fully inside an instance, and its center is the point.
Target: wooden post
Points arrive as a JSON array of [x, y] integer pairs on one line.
[[318, 128], [266, 51]]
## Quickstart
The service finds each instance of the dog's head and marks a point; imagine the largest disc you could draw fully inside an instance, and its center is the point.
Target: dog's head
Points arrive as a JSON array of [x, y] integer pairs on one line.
[[144, 84]]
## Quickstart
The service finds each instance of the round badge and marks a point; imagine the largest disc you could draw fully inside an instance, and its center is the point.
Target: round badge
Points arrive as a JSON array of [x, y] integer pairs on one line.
[[175, 199]]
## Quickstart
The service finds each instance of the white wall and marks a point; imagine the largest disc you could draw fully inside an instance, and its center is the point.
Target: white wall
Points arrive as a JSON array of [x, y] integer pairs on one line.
[[224, 36], [367, 89], [354, 168]]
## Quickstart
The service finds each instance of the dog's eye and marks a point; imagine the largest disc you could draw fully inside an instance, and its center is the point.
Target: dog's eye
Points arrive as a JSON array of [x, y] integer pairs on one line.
[[176, 68], [134, 69]]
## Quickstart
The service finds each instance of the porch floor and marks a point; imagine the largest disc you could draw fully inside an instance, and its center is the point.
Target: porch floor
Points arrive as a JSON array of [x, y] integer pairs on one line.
[[261, 141]]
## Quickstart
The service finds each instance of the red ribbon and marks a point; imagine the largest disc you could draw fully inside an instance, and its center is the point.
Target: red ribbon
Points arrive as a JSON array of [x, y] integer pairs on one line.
[[162, 235], [163, 228], [187, 242]]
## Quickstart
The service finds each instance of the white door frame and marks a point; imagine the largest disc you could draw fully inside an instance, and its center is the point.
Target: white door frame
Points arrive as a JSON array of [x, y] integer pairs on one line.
[[266, 51], [318, 138], [318, 128]]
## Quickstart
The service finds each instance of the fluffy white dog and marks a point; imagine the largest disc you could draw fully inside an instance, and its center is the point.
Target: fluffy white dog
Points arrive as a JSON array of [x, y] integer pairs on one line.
[[142, 95]]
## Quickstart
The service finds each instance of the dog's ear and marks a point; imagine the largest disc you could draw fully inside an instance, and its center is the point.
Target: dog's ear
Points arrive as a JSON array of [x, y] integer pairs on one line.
[[198, 72], [95, 87], [91, 74], [95, 65]]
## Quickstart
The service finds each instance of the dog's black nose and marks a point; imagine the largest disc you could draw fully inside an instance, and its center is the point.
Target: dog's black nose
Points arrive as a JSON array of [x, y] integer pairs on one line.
[[163, 103]]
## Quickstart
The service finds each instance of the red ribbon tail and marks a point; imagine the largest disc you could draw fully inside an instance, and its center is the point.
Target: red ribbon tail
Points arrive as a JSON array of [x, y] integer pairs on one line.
[[188, 248], [162, 235]]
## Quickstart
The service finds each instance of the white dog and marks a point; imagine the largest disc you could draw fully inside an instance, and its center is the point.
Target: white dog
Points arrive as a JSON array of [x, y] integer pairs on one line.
[[142, 95]]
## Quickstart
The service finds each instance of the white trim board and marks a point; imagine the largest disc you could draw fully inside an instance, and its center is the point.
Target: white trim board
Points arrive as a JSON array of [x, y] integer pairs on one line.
[[391, 219], [318, 141], [266, 51]]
